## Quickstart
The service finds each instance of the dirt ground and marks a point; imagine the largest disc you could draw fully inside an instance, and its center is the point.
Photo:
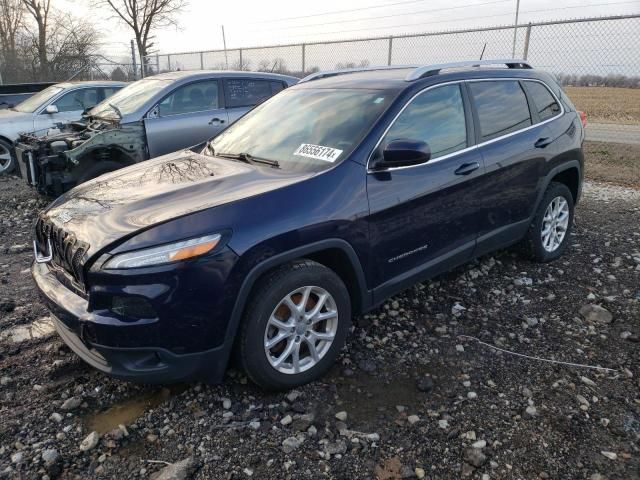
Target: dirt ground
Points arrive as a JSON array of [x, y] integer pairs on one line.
[[615, 163], [607, 104], [413, 395]]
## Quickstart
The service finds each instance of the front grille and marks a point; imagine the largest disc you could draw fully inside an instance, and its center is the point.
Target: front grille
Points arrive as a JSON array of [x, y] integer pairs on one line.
[[68, 251]]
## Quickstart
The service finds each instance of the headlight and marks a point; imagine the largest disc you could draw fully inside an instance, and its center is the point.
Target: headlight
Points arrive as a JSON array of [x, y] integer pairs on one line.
[[164, 254]]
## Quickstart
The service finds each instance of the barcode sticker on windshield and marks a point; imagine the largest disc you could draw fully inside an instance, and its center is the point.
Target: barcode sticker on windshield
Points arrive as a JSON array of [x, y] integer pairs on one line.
[[318, 152]]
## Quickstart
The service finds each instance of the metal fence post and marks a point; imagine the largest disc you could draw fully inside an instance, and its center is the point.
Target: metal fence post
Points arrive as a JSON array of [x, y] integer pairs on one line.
[[157, 63], [527, 35], [304, 57], [241, 62], [201, 61], [133, 61], [169, 62], [390, 50]]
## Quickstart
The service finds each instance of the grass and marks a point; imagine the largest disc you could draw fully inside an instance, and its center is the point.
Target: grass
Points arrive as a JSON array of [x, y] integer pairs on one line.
[[607, 104], [615, 163]]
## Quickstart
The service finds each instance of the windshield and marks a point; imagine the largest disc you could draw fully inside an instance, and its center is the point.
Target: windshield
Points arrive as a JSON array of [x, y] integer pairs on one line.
[[304, 130], [34, 102], [129, 99]]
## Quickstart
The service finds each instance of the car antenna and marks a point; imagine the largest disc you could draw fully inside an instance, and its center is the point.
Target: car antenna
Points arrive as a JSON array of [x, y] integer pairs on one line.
[[483, 48]]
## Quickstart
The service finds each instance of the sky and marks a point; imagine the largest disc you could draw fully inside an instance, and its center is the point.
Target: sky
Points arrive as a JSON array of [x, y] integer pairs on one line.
[[260, 22]]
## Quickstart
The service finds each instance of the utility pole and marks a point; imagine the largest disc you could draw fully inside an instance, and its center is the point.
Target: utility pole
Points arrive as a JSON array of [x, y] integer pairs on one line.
[[515, 30], [133, 61], [224, 43]]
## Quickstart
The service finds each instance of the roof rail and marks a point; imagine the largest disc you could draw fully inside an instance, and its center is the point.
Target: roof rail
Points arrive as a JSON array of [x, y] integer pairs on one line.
[[427, 70], [333, 73]]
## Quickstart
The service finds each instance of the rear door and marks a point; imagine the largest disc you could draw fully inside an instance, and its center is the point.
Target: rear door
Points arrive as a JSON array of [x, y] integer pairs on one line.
[[512, 143], [423, 219], [189, 115], [242, 94]]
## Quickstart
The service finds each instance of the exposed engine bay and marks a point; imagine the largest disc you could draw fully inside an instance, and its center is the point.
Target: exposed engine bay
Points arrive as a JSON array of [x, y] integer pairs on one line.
[[56, 160]]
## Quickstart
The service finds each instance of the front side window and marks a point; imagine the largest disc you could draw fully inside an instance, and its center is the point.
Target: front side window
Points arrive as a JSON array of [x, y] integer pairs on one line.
[[502, 107], [247, 92], [544, 102], [194, 97], [77, 100], [304, 130], [435, 117]]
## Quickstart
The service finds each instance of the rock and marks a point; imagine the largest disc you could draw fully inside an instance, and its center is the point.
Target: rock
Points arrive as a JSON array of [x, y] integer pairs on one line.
[[475, 457], [176, 471], [56, 417], [19, 248], [337, 447], [17, 457], [412, 419], [342, 416], [480, 444], [596, 313], [292, 396], [424, 383], [368, 366], [226, 403], [523, 281], [531, 411], [286, 420], [5, 380], [292, 443], [50, 456], [610, 455], [71, 404], [420, 473], [472, 395], [255, 425], [467, 470], [444, 424], [90, 442], [588, 381], [152, 437]]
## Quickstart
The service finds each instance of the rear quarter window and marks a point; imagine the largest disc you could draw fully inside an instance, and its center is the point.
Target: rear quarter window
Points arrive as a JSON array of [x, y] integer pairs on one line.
[[543, 101], [502, 107]]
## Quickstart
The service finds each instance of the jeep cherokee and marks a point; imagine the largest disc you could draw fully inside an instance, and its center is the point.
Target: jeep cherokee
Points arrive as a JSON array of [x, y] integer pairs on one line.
[[316, 206]]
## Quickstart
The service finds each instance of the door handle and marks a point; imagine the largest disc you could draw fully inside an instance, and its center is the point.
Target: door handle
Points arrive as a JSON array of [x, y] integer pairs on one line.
[[543, 142], [467, 168], [215, 120]]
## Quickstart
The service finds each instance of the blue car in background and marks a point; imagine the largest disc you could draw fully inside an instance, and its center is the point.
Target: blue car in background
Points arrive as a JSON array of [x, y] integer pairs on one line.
[[315, 206]]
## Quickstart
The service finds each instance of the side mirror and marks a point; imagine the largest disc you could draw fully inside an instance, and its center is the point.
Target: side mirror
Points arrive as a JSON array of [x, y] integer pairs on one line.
[[404, 153], [51, 109]]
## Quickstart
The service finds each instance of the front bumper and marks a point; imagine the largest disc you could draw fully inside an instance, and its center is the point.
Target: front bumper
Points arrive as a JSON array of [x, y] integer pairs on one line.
[[148, 364]]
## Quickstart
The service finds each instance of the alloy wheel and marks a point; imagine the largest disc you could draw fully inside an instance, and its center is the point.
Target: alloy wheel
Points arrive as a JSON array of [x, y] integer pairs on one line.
[[5, 159], [301, 330], [555, 224]]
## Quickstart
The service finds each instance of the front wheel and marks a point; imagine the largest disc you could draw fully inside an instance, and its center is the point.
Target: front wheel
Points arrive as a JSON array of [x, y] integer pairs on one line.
[[296, 322], [549, 232], [7, 157]]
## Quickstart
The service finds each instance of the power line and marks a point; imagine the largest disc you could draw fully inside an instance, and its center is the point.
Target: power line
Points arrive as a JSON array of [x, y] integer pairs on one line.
[[417, 12], [458, 19]]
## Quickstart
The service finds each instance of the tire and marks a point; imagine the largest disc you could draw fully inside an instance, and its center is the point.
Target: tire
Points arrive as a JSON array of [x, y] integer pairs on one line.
[[7, 157], [293, 281], [548, 248], [97, 169]]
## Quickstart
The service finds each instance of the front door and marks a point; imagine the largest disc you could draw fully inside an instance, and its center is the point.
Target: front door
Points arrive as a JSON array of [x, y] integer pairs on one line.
[[70, 107], [189, 115], [423, 218]]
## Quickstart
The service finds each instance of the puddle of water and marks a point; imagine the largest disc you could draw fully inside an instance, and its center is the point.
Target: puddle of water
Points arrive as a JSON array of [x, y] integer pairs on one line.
[[38, 329], [127, 411]]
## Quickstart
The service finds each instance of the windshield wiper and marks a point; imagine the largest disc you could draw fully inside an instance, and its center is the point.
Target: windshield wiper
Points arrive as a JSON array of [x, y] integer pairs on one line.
[[117, 110], [248, 158]]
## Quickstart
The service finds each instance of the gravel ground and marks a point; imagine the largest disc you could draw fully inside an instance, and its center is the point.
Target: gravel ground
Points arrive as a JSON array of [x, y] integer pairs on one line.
[[410, 397]]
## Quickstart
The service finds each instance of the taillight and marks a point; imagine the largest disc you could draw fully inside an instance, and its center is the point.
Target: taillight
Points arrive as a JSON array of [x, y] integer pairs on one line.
[[583, 118]]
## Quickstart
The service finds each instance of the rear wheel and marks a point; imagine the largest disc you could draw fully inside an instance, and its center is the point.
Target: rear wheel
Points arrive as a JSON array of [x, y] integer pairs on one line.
[[7, 157], [549, 232], [295, 325]]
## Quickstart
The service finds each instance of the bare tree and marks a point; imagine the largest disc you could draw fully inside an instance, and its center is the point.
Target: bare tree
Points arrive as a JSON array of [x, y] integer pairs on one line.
[[11, 13], [144, 17], [39, 10]]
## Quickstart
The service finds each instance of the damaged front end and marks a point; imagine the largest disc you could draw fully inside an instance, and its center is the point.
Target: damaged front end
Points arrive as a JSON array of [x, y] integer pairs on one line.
[[72, 153]]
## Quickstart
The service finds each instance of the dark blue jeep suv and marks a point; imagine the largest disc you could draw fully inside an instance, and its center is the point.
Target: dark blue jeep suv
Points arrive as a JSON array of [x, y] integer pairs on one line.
[[314, 207]]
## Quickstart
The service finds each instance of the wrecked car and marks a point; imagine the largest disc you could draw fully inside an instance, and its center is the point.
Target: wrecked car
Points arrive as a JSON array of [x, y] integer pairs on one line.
[[151, 117]]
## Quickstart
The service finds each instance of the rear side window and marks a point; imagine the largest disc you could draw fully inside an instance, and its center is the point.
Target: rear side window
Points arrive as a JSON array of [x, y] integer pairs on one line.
[[246, 92], [502, 107], [276, 87], [436, 117], [544, 102]]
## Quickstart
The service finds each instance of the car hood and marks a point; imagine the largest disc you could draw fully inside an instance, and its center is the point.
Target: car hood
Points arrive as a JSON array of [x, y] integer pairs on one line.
[[11, 117], [132, 199]]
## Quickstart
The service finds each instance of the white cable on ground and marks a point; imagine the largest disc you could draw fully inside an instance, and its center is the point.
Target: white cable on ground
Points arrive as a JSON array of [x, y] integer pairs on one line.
[[538, 358]]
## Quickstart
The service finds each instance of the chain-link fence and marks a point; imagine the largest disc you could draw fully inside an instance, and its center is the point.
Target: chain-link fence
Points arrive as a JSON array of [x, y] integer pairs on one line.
[[583, 53]]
